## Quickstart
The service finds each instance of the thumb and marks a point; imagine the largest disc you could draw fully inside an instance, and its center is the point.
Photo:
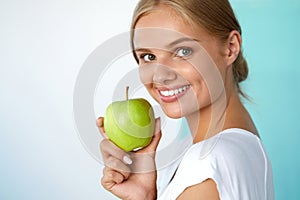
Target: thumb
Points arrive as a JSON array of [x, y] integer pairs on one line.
[[155, 139]]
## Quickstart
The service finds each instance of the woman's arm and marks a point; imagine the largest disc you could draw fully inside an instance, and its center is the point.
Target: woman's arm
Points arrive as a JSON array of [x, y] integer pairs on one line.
[[206, 190]]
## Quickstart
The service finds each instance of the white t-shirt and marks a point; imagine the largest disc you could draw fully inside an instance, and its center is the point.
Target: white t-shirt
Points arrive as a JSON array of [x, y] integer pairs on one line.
[[235, 159]]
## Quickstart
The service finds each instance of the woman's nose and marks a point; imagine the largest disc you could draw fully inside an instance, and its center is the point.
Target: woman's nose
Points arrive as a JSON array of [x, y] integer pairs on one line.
[[158, 74], [163, 74]]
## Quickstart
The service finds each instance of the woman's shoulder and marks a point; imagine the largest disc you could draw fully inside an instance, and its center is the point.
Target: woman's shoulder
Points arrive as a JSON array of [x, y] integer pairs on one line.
[[238, 150], [230, 143], [230, 157]]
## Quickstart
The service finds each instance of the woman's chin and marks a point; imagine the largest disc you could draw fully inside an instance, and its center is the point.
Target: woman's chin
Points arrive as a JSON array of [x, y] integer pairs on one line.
[[174, 113], [174, 116]]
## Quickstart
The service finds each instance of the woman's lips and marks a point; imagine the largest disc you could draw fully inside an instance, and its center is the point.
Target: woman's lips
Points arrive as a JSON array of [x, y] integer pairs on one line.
[[170, 95]]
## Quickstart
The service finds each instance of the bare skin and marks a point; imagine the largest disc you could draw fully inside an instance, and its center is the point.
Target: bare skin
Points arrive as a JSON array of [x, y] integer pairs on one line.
[[118, 175]]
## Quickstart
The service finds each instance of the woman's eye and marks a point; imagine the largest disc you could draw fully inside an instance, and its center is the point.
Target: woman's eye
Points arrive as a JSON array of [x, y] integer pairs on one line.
[[148, 57], [184, 52]]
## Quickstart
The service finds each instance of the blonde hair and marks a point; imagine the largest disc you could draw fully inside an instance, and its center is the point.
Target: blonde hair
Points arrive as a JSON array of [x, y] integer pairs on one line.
[[214, 16]]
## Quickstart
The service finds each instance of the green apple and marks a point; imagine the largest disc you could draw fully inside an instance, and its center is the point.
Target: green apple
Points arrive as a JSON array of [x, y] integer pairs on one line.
[[130, 124]]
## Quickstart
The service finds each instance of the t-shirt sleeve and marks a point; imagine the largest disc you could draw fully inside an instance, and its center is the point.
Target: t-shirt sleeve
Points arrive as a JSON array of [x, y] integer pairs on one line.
[[236, 163]]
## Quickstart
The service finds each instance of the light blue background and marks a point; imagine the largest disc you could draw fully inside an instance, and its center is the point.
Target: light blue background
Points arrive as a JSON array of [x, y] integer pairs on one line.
[[42, 47], [271, 45]]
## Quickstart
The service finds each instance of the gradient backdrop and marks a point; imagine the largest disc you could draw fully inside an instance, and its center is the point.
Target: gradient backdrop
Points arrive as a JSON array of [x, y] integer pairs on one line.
[[42, 47]]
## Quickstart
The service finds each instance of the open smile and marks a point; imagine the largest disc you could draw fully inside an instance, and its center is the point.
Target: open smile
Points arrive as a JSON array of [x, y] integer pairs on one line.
[[170, 95]]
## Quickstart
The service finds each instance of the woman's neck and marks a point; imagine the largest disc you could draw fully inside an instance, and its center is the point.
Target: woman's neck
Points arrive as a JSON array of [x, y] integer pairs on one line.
[[209, 120], [226, 112]]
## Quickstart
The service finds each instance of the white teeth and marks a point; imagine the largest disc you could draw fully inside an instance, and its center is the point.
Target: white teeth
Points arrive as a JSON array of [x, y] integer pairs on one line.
[[165, 93], [168, 93]]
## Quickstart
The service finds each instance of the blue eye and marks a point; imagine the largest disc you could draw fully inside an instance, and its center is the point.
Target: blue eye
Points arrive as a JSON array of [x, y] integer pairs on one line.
[[184, 52], [148, 57]]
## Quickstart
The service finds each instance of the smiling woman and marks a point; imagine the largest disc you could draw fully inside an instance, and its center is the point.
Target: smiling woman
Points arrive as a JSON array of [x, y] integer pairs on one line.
[[190, 61]]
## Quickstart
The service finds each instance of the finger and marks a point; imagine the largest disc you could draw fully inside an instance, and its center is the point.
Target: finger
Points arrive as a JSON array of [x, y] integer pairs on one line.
[[157, 126], [100, 122], [100, 125], [118, 166], [111, 178], [109, 149], [109, 171]]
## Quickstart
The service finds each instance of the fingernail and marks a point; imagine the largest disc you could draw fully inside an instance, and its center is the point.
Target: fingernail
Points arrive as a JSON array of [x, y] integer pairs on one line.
[[127, 160]]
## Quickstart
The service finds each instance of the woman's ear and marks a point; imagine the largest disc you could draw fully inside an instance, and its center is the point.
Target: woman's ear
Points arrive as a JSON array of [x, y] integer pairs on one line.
[[233, 45]]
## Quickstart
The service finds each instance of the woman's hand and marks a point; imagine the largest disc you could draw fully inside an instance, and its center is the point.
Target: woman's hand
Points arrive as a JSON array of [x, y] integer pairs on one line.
[[130, 175]]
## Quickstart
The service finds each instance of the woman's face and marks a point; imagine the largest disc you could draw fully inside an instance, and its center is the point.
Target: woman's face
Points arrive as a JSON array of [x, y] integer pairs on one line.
[[182, 68]]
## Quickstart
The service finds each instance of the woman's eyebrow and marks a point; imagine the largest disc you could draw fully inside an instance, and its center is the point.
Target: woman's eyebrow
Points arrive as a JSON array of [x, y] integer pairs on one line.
[[142, 49], [180, 40], [168, 46]]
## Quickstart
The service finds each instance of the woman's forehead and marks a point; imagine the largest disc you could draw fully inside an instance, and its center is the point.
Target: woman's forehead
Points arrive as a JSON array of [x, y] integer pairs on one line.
[[164, 26], [163, 17], [160, 38]]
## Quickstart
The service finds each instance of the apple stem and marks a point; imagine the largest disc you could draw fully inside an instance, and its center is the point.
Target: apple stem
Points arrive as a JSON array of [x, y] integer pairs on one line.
[[127, 89]]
